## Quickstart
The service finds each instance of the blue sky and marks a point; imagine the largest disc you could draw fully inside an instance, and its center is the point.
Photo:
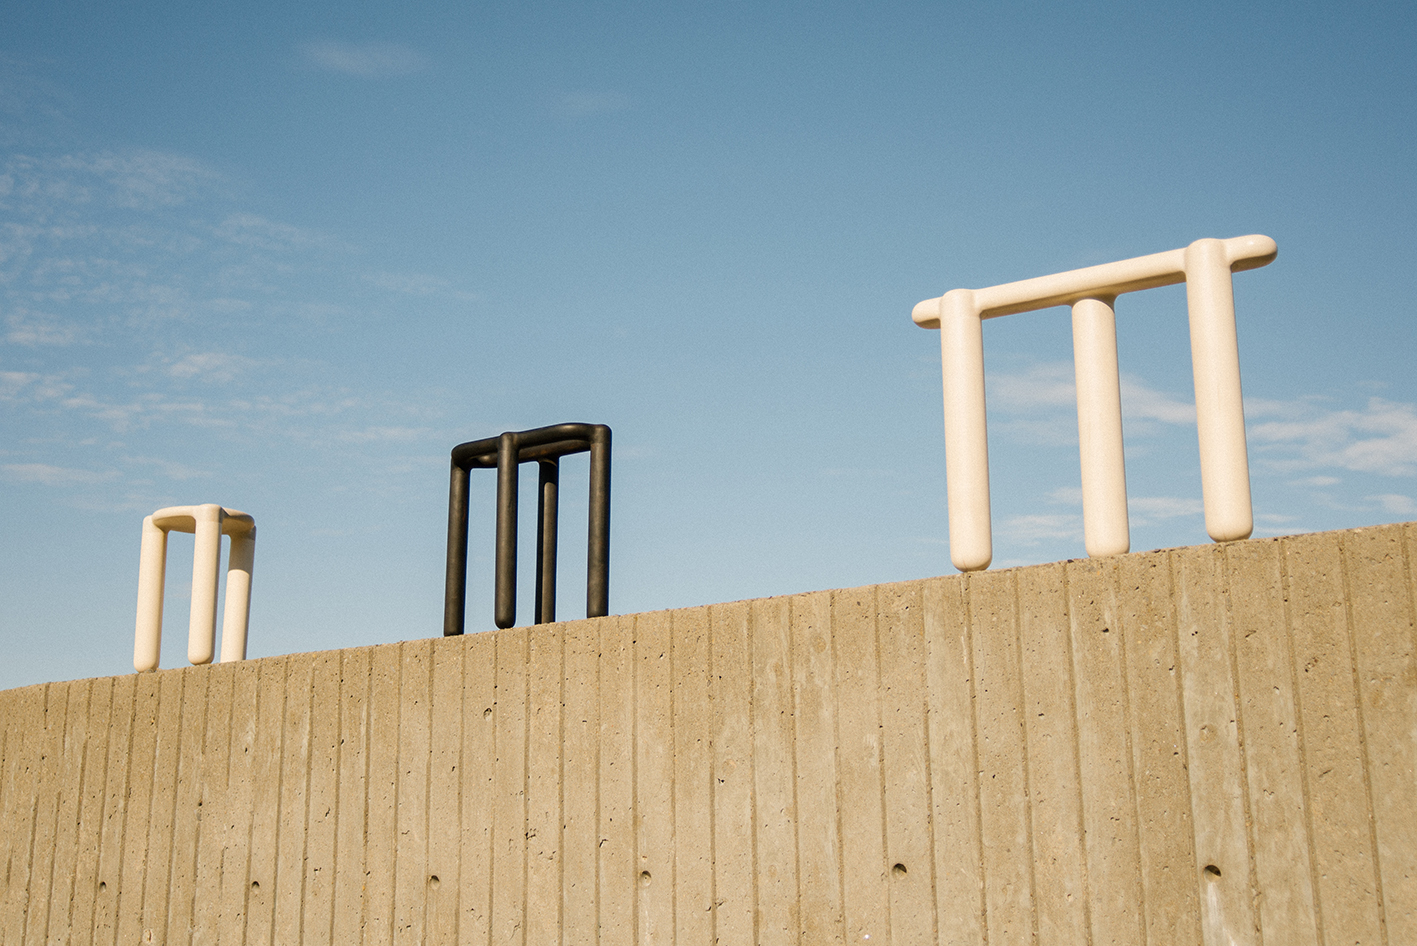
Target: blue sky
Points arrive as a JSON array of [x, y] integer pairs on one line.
[[284, 257]]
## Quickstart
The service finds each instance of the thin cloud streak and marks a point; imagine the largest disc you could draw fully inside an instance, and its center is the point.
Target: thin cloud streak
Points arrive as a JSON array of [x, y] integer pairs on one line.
[[1286, 436], [1379, 438], [584, 103], [366, 60], [48, 475]]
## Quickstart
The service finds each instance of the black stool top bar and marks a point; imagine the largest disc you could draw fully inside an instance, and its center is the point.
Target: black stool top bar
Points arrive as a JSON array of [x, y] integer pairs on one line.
[[544, 446]]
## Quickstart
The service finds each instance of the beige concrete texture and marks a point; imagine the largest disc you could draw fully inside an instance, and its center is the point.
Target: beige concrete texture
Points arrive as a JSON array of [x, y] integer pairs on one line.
[[1212, 745]]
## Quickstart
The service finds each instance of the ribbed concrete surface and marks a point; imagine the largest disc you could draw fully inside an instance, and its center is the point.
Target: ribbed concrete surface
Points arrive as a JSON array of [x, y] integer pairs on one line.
[[1213, 745]]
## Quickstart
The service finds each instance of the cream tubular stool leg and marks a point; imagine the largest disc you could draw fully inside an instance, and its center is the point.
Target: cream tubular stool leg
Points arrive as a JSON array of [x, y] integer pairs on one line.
[[1220, 409], [966, 432], [237, 616], [152, 571], [206, 571], [1099, 395]]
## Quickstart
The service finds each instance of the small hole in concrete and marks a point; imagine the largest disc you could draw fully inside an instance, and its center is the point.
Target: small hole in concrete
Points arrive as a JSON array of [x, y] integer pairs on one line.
[[487, 713], [899, 870], [255, 885], [433, 880], [102, 885], [644, 878], [1212, 871]]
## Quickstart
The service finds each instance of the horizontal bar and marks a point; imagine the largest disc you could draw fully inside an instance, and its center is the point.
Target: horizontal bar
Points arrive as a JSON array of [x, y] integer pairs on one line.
[[184, 519], [543, 443], [1108, 279]]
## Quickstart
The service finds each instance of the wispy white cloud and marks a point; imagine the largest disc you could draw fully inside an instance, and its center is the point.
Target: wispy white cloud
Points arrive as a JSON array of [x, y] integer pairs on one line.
[[378, 434], [1378, 438], [31, 387], [418, 284], [139, 179], [1316, 481], [1033, 529], [47, 475], [179, 472], [1049, 385], [1040, 386], [1395, 504], [144, 179], [1146, 509], [1286, 436], [213, 366], [31, 329], [1141, 510], [247, 229], [368, 60], [1141, 402]]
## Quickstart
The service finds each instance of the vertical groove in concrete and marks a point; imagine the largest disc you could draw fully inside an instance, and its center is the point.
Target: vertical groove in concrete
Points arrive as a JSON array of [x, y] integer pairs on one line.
[[735, 904], [508, 810], [1339, 818], [294, 817], [1278, 833], [654, 779], [580, 782], [1161, 788], [865, 873], [1345, 565], [1054, 755], [181, 870], [411, 875], [1054, 774], [80, 928], [774, 826], [1003, 793], [1386, 665], [477, 784], [954, 760], [814, 710], [1213, 751], [543, 784], [693, 777], [900, 629], [616, 876], [446, 718], [321, 800]]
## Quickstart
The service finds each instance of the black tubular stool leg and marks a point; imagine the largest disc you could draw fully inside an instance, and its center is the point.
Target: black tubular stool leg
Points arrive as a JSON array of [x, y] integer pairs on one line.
[[546, 513]]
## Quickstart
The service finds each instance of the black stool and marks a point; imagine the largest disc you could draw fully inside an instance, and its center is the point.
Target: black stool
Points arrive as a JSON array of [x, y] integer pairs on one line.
[[545, 446]]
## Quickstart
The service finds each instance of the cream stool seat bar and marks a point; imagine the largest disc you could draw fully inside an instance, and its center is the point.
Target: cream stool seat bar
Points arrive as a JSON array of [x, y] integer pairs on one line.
[[208, 523], [1205, 266]]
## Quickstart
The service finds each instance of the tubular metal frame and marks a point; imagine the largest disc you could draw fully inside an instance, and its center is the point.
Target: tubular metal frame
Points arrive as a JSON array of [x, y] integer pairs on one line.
[[505, 453]]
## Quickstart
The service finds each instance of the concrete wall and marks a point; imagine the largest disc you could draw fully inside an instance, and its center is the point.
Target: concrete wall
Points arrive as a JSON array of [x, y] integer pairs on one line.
[[1213, 745]]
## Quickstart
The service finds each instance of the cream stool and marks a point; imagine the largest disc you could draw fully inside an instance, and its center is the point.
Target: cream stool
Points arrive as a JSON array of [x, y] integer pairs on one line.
[[1205, 266], [209, 523]]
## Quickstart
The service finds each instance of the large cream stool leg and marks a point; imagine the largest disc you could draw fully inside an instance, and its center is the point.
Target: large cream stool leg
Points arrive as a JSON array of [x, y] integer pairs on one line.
[[206, 570]]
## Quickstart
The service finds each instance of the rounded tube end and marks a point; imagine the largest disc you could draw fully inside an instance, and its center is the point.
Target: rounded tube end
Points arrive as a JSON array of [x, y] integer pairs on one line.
[[1250, 252], [927, 314]]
